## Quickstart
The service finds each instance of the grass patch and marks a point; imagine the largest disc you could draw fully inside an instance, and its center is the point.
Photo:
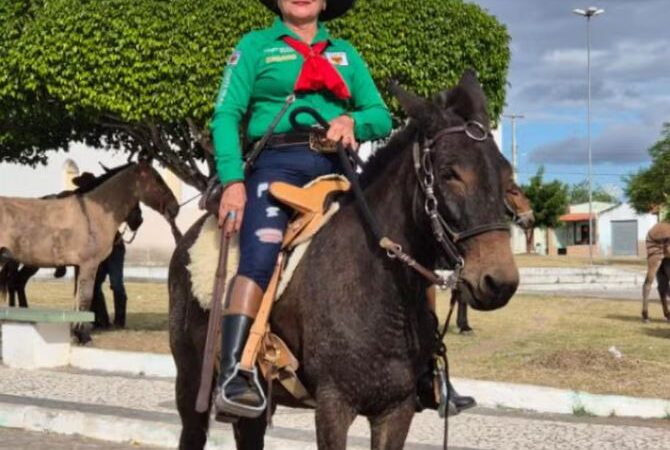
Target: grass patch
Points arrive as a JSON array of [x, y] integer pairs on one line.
[[552, 341], [563, 342], [146, 320], [580, 411]]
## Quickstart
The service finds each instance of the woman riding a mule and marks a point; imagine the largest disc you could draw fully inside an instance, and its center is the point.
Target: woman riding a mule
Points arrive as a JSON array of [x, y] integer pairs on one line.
[[293, 63]]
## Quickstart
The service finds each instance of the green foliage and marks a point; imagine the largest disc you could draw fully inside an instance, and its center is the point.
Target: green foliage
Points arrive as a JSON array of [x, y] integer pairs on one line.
[[579, 193], [144, 74], [549, 200], [648, 189]]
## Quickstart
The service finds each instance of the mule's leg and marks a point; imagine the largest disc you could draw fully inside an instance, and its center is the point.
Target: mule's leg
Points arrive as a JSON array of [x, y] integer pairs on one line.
[[250, 433], [389, 431], [653, 264], [663, 279], [194, 424], [333, 419], [84, 296], [24, 276]]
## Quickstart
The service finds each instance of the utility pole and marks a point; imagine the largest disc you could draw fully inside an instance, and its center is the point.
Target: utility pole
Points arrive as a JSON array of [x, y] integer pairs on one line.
[[513, 118], [589, 13]]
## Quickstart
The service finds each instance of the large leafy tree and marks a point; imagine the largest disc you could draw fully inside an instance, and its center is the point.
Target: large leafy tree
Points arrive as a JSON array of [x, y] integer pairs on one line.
[[142, 75], [579, 193], [549, 201], [648, 189]]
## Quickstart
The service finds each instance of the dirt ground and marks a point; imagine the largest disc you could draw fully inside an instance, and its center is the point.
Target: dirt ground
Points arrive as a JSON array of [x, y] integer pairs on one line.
[[563, 342]]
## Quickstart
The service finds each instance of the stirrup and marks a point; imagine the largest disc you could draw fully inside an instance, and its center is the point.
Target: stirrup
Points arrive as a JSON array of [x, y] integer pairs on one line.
[[239, 409]]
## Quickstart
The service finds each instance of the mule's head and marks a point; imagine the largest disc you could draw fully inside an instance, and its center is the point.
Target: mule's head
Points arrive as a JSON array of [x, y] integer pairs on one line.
[[154, 192], [134, 218], [470, 186]]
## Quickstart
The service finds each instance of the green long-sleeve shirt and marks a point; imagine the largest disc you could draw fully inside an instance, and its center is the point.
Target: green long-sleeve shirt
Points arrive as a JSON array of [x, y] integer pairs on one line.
[[262, 72]]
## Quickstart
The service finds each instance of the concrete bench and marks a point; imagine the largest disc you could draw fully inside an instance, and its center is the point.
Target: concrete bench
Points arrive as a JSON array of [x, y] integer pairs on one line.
[[35, 338]]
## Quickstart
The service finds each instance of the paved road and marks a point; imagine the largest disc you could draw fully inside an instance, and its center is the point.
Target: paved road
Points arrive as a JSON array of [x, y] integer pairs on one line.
[[19, 440], [121, 403]]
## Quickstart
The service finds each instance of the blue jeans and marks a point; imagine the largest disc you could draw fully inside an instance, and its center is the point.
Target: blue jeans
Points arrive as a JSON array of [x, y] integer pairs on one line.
[[265, 218], [112, 267]]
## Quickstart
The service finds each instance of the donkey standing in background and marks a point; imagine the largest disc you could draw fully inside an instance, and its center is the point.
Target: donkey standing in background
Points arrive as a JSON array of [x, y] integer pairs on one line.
[[658, 265], [14, 277], [79, 230]]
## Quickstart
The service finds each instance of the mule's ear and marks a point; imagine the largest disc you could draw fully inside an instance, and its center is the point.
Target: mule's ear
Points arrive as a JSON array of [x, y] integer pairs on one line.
[[468, 100], [414, 106]]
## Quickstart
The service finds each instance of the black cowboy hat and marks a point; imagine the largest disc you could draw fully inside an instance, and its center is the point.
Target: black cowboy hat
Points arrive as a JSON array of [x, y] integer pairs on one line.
[[334, 8]]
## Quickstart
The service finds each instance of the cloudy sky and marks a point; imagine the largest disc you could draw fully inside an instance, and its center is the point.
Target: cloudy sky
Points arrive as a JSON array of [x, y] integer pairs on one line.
[[630, 84], [631, 92]]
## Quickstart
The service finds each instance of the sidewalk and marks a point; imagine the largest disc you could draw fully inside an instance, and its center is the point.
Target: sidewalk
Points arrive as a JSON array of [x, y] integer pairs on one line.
[[141, 410]]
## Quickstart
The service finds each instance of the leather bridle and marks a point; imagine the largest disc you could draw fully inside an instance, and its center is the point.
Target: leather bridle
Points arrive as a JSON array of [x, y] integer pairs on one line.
[[423, 167]]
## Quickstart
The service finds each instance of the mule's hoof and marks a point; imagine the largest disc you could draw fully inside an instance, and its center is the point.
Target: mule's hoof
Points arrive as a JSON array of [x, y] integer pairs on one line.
[[466, 331], [82, 337]]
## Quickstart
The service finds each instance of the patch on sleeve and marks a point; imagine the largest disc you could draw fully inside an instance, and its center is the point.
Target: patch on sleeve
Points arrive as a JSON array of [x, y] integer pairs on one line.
[[337, 58], [234, 58]]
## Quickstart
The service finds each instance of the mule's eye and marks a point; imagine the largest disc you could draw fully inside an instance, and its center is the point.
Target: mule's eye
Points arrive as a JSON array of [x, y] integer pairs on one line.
[[449, 174]]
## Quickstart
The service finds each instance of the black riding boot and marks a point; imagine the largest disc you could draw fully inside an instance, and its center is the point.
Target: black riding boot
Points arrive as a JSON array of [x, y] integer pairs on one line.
[[461, 402], [239, 389], [425, 391]]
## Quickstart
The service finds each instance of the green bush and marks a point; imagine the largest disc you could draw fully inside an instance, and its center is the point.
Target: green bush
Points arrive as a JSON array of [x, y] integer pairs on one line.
[[114, 68]]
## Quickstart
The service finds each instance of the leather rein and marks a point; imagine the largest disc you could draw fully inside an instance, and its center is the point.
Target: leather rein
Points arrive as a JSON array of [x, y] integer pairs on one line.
[[442, 232]]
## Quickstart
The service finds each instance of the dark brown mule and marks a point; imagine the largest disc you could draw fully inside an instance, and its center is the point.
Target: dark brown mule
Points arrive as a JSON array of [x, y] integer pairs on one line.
[[521, 212], [359, 322], [658, 252], [79, 230], [14, 277]]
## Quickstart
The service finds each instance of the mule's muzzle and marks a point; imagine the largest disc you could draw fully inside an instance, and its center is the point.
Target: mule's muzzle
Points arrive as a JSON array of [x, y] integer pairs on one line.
[[490, 276], [172, 210], [492, 291]]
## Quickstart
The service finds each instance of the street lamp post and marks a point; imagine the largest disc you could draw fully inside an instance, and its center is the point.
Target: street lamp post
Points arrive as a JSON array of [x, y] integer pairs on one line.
[[513, 118], [589, 13]]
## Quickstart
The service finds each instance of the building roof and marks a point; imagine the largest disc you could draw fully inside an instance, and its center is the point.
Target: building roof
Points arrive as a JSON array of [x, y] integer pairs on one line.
[[597, 207], [575, 217]]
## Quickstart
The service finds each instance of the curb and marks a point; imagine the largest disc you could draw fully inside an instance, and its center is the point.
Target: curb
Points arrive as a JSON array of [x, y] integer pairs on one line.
[[561, 401], [488, 393]]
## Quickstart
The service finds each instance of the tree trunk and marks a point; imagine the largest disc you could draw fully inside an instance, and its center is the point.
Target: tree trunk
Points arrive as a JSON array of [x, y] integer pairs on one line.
[[530, 235]]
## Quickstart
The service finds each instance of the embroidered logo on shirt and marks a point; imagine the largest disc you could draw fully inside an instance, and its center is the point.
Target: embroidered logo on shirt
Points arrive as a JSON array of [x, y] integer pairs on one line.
[[281, 58], [234, 58], [337, 58]]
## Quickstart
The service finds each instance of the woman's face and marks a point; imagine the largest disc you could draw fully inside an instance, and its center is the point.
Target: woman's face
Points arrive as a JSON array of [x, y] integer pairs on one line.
[[301, 10]]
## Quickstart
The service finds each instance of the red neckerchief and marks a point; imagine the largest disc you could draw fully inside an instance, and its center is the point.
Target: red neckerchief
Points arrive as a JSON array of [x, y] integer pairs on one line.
[[317, 72]]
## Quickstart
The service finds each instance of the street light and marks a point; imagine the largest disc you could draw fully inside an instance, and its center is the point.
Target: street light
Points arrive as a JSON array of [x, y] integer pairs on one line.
[[513, 118], [589, 13]]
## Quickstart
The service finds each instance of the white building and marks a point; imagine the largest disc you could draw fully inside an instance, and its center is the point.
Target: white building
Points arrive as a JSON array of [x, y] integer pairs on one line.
[[622, 231]]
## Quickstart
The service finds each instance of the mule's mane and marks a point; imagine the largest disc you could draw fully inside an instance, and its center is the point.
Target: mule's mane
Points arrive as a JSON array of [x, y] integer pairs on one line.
[[382, 157], [102, 178]]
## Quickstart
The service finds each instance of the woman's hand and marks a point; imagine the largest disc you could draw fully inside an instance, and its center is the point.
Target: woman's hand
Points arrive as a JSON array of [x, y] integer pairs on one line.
[[233, 199], [342, 128]]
